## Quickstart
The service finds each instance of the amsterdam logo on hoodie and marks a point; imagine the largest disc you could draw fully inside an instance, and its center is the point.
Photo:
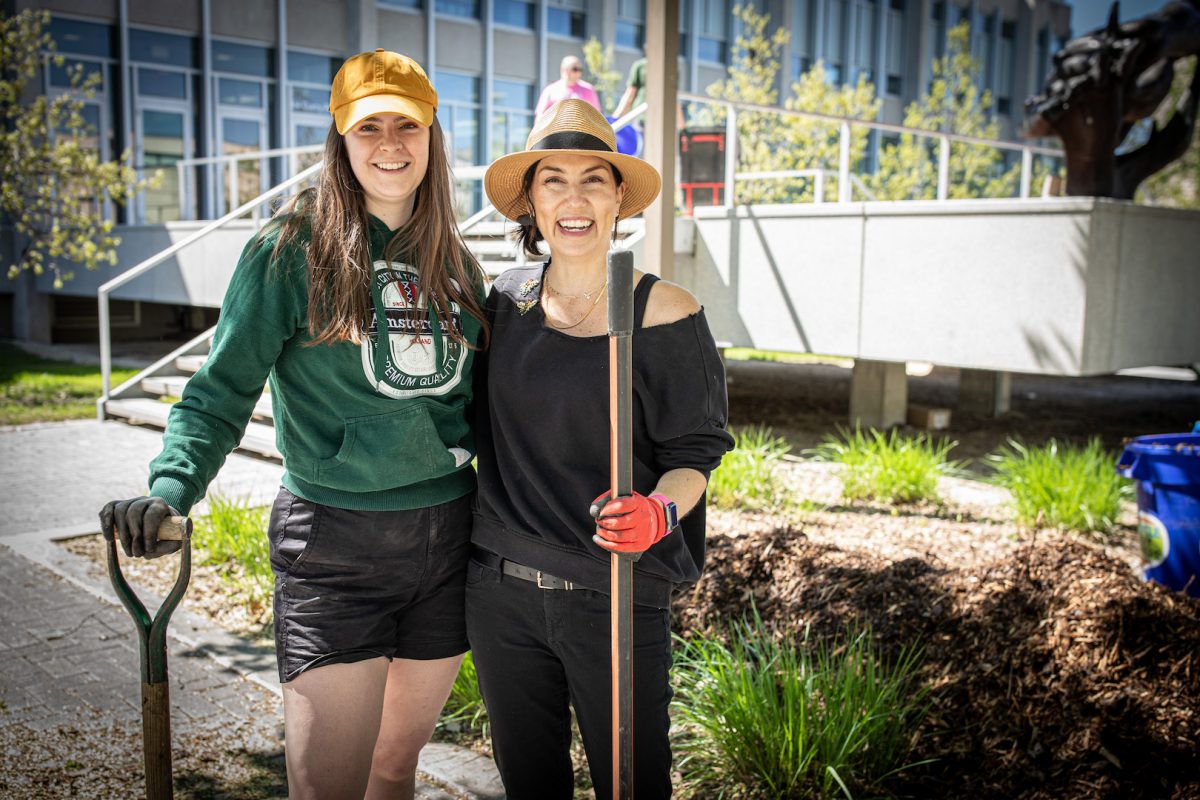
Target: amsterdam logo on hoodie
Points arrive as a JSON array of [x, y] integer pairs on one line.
[[420, 358]]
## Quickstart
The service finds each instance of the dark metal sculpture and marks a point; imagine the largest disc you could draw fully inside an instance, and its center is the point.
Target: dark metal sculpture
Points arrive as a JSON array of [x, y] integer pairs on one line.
[[1103, 83]]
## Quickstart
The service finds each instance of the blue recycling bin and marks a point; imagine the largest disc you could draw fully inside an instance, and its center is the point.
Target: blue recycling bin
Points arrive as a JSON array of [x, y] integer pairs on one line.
[[1167, 471]]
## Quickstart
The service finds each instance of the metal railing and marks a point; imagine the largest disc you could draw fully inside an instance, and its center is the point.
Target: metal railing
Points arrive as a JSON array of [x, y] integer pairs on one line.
[[153, 261], [230, 166], [845, 125]]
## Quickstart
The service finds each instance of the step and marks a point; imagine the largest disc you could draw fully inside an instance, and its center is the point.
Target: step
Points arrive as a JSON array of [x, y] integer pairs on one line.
[[172, 386], [487, 247], [190, 364], [259, 438]]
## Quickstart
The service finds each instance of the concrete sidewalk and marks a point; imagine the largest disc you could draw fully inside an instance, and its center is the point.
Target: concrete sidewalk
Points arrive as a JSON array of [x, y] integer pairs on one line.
[[70, 711]]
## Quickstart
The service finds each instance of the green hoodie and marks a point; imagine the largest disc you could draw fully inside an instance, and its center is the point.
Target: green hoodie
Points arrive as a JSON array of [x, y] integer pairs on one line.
[[376, 426]]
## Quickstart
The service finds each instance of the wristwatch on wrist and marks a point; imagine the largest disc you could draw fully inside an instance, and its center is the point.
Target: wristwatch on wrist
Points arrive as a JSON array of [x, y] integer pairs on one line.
[[669, 511]]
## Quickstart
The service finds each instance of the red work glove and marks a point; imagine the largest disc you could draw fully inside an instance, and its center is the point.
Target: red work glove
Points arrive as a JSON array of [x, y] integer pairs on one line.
[[628, 524]]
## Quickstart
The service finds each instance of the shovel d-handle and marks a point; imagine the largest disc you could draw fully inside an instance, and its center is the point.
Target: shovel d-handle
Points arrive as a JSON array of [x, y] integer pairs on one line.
[[152, 638]]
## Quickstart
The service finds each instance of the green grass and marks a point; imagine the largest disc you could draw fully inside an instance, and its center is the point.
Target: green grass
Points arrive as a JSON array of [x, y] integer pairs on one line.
[[747, 478], [761, 717], [232, 537], [465, 704], [888, 467], [1062, 486], [36, 389], [778, 356]]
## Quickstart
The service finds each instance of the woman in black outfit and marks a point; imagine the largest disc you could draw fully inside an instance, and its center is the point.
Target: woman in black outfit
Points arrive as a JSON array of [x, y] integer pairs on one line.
[[537, 588]]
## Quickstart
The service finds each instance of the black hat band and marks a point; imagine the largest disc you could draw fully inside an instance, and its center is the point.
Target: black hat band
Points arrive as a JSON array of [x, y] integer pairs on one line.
[[571, 140]]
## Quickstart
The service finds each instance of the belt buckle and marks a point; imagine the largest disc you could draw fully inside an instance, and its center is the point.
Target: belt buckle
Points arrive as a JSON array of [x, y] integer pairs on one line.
[[540, 585]]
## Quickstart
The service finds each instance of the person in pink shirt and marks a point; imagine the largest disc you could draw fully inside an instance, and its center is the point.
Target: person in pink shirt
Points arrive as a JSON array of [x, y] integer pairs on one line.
[[569, 85]]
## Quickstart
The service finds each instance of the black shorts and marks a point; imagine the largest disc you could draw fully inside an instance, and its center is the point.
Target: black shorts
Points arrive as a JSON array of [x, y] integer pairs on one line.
[[354, 585]]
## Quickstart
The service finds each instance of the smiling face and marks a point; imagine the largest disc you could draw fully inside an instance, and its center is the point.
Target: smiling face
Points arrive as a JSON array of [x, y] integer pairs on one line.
[[389, 154], [575, 202]]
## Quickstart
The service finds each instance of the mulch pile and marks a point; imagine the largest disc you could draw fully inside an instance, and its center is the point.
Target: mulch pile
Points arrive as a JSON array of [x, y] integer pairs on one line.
[[1056, 673]]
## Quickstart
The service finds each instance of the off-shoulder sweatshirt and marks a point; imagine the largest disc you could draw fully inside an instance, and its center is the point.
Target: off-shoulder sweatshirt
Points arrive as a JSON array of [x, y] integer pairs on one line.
[[543, 440]]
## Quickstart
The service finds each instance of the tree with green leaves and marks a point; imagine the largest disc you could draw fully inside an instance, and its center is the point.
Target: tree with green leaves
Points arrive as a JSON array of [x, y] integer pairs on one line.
[[1178, 184], [602, 74], [53, 184], [769, 142], [908, 170]]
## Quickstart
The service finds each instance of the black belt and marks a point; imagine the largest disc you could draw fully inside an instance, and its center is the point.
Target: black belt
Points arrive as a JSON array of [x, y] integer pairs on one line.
[[515, 570]]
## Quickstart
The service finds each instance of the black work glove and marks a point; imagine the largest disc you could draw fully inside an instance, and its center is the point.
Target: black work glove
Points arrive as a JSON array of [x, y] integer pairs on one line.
[[136, 522]]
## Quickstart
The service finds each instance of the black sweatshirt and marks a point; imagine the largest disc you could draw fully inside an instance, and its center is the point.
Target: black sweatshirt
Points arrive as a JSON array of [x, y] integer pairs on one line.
[[543, 441]]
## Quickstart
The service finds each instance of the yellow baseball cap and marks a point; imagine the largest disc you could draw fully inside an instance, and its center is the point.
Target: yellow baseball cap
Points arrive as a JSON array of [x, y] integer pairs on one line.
[[381, 82]]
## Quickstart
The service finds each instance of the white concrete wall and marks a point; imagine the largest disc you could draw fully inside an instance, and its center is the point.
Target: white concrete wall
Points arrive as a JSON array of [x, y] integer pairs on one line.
[[1075, 286], [195, 276]]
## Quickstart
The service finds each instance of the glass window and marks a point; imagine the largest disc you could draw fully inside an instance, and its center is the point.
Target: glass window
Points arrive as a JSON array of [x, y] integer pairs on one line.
[[246, 59], [232, 92], [896, 22], [162, 145], [164, 48], [309, 100], [83, 38], [1043, 53], [413, 4], [458, 8], [1004, 77], [802, 28], [516, 13], [566, 17], [311, 68], [937, 39], [835, 48], [512, 115], [711, 38], [631, 23], [162, 83], [864, 40], [60, 76], [457, 88], [989, 52]]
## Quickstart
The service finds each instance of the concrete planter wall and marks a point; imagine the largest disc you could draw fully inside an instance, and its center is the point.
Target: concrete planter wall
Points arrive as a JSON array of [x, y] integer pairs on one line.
[[1073, 286]]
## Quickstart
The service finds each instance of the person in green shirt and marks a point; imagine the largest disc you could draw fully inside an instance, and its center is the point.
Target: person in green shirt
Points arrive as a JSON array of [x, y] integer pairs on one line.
[[363, 309]]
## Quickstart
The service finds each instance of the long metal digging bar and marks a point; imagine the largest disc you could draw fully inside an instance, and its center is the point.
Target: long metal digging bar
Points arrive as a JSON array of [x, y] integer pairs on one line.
[[620, 419], [152, 638]]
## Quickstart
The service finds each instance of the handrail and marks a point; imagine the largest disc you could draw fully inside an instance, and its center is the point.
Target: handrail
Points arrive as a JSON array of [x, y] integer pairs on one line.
[[817, 116], [153, 261], [251, 155], [845, 179]]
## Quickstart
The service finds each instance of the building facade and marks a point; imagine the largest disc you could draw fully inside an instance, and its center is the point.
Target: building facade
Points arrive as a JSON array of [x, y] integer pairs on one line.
[[185, 79]]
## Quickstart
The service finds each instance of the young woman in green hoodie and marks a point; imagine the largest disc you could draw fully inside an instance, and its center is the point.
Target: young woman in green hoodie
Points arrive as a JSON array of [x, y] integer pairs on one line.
[[363, 310]]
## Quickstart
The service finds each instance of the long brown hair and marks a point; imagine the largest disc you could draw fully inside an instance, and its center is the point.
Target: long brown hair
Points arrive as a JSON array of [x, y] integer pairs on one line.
[[334, 215]]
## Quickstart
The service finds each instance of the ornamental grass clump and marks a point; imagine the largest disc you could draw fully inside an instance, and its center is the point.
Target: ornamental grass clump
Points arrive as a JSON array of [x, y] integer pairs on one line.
[[748, 477], [1062, 486], [232, 537], [464, 707], [888, 467], [764, 717]]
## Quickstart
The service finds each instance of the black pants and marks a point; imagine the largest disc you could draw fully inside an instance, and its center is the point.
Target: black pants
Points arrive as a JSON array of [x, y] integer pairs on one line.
[[538, 650]]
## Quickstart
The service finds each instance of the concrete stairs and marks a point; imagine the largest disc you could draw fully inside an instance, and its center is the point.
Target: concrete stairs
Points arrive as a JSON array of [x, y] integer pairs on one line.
[[146, 398]]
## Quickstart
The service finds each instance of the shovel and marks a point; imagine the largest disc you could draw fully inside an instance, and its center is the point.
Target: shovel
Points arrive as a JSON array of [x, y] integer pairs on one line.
[[152, 638], [620, 419]]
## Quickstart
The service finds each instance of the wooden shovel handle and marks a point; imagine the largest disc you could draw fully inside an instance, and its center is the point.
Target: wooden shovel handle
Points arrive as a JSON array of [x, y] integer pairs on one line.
[[173, 529]]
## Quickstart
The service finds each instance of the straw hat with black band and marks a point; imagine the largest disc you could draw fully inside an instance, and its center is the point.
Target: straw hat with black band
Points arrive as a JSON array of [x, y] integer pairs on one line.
[[569, 127]]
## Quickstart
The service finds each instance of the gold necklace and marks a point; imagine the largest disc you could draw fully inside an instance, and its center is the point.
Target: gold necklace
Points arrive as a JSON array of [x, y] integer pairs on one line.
[[584, 295], [591, 308]]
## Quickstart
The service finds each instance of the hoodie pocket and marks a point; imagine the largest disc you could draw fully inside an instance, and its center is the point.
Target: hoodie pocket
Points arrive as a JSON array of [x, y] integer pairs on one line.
[[399, 448]]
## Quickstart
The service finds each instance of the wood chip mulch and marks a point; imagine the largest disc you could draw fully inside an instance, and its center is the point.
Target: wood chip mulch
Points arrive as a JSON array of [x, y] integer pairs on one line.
[[1057, 673]]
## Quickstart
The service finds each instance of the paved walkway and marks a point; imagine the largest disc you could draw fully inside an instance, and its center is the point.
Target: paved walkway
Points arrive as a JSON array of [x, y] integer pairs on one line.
[[70, 721]]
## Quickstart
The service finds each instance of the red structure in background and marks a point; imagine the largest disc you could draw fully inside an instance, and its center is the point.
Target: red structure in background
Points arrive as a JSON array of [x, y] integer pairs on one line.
[[702, 165]]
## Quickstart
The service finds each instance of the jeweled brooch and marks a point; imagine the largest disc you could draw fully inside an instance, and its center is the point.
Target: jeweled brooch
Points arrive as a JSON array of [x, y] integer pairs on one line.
[[527, 288]]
